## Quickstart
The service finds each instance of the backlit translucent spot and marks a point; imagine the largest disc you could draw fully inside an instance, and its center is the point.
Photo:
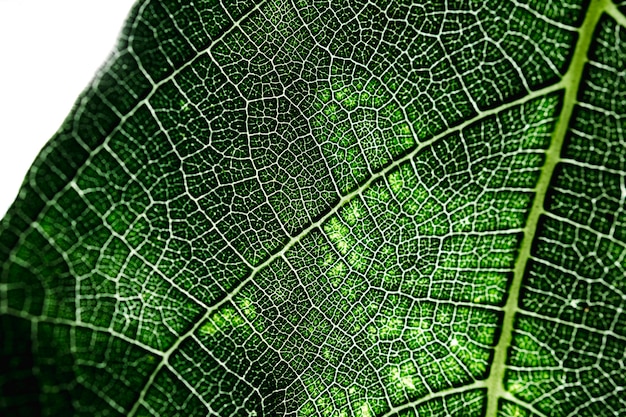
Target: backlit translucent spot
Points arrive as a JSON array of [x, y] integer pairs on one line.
[[331, 112], [407, 381], [329, 259], [402, 377], [396, 182], [248, 308], [307, 410], [325, 95], [365, 410], [222, 320], [350, 102], [516, 388], [513, 410], [208, 329], [454, 343], [338, 233], [392, 327], [337, 273], [359, 257], [353, 212]]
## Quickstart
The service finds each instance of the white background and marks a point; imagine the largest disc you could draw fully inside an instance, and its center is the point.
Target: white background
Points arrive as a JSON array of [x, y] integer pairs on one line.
[[49, 51]]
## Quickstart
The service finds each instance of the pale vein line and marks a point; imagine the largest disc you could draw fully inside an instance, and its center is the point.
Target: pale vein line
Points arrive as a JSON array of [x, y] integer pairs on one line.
[[556, 320], [594, 167], [85, 325], [314, 225], [585, 227], [129, 114], [511, 398], [433, 396], [571, 81], [616, 14], [344, 200]]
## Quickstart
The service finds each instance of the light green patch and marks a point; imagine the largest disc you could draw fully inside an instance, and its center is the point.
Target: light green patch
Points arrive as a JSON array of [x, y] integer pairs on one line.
[[222, 320], [403, 377], [365, 127], [314, 385], [307, 410], [339, 234], [325, 405], [359, 258], [248, 309], [378, 194], [517, 388], [325, 95], [350, 102], [353, 212], [364, 410], [331, 111], [208, 328], [454, 344], [396, 181], [404, 129], [337, 273], [513, 410], [391, 328], [329, 257]]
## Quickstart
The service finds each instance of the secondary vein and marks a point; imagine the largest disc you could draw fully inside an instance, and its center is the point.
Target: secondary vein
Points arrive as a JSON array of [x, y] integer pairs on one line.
[[571, 82]]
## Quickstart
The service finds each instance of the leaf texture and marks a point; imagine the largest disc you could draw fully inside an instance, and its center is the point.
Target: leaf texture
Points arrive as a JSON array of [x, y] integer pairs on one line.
[[330, 208]]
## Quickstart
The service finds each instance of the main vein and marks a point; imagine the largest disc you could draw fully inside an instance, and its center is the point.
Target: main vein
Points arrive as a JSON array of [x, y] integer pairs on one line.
[[571, 82], [343, 201]]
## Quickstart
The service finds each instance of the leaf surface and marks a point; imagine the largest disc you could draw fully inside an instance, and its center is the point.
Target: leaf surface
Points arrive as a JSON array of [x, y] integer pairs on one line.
[[292, 208]]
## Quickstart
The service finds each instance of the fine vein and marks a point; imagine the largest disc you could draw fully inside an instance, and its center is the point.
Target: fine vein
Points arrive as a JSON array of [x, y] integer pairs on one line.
[[571, 81]]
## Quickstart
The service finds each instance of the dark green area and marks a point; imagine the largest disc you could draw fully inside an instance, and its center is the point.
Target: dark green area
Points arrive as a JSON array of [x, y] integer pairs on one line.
[[467, 404], [295, 208], [575, 283]]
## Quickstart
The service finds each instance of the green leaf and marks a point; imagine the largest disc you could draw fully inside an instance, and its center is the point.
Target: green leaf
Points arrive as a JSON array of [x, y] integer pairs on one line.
[[330, 209]]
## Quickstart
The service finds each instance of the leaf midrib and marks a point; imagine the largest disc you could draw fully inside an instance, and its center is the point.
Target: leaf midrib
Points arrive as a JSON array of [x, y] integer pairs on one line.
[[333, 211], [571, 82], [546, 174]]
